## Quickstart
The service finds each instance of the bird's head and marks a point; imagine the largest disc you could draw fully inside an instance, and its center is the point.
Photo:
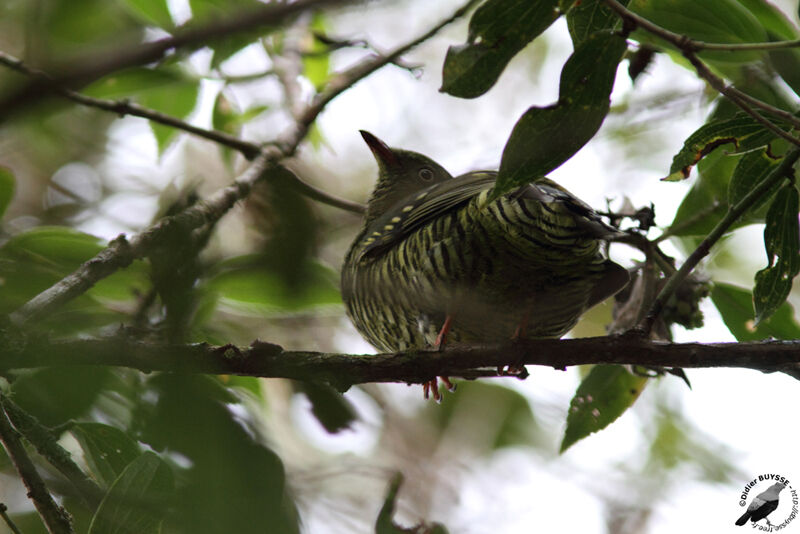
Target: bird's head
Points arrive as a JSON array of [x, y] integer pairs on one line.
[[400, 174]]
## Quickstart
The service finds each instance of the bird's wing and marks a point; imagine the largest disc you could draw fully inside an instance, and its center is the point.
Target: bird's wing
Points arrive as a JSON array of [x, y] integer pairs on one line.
[[422, 207]]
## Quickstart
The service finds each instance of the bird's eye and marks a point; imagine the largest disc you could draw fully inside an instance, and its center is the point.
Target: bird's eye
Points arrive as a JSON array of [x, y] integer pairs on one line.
[[426, 174]]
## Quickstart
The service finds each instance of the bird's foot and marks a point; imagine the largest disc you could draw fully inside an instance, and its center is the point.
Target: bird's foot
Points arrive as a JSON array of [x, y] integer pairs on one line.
[[517, 370], [431, 387]]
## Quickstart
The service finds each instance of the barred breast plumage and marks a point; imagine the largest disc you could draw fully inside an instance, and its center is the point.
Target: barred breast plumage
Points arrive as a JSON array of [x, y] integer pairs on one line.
[[433, 246]]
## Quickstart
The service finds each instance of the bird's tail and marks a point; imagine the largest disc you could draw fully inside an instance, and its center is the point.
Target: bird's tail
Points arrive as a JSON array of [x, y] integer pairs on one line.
[[742, 520]]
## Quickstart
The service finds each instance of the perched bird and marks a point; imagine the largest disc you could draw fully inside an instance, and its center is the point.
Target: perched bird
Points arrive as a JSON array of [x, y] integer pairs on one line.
[[763, 504], [437, 261]]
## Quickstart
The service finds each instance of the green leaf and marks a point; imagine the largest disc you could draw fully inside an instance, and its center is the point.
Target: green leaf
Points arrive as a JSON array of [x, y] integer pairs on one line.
[[7, 187], [782, 241], [135, 503], [712, 21], [604, 395], [735, 305], [497, 31], [544, 138], [742, 131], [56, 395], [331, 408], [234, 482], [771, 18], [317, 60], [165, 89], [155, 12], [752, 168], [589, 16], [33, 261], [510, 422], [248, 287], [107, 450]]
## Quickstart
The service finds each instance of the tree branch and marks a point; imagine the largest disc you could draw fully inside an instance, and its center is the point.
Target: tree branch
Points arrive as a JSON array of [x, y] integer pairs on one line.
[[55, 518], [419, 366]]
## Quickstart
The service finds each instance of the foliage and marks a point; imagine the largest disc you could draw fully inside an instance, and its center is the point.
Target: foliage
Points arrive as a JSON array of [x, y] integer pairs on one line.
[[180, 452]]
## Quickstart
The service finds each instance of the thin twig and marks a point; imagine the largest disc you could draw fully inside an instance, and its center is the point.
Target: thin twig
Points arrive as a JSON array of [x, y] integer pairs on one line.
[[126, 107], [46, 443], [7, 519], [734, 212], [689, 48], [122, 251], [743, 47], [56, 519]]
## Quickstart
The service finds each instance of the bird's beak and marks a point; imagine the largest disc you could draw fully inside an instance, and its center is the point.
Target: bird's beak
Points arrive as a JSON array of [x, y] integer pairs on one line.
[[385, 156]]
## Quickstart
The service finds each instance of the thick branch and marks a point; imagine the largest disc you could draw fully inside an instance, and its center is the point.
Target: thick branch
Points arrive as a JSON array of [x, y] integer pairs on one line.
[[343, 370], [55, 518]]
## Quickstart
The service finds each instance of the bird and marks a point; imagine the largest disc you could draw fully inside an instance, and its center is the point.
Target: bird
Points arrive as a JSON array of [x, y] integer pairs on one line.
[[438, 260], [762, 505]]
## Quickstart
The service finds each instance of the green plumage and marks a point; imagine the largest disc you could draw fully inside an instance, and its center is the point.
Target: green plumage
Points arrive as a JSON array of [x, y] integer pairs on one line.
[[434, 246]]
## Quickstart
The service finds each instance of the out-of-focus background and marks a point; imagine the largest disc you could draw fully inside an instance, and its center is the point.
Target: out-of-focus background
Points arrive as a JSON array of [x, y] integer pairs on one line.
[[485, 459]]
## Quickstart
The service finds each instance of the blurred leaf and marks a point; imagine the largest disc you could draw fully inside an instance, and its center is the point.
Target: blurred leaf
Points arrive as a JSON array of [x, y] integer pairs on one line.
[[712, 21], [509, 420], [331, 408], [782, 241], [604, 395], [224, 48], [316, 60], [56, 395], [33, 261], [742, 131], [7, 187], [107, 450], [234, 482], [771, 18], [589, 16], [71, 28], [135, 503], [735, 305], [497, 31], [250, 287], [544, 138], [166, 89], [155, 12]]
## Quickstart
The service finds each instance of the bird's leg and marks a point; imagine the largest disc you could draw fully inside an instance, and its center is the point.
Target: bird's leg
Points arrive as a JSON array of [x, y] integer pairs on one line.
[[432, 386], [441, 339]]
